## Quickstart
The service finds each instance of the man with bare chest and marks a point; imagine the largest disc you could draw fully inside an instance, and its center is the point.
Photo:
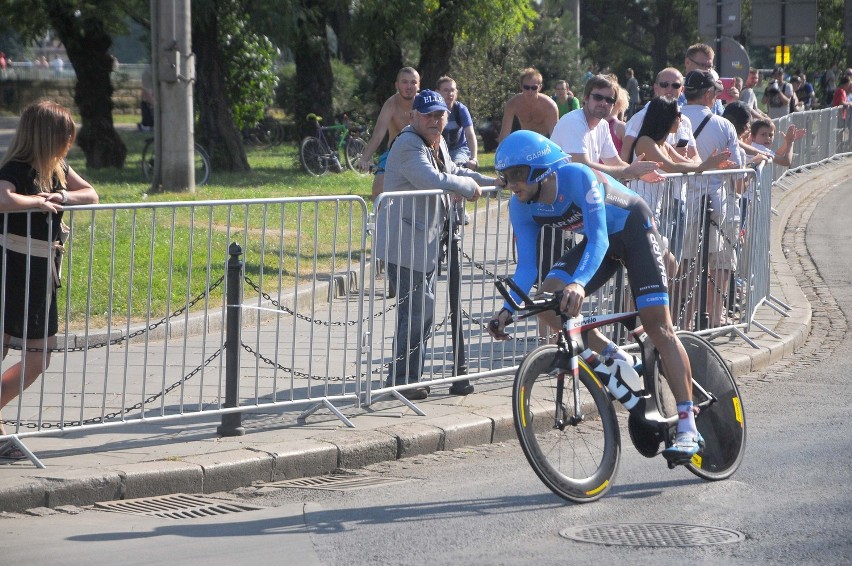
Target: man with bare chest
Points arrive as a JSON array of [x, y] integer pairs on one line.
[[393, 117], [534, 110]]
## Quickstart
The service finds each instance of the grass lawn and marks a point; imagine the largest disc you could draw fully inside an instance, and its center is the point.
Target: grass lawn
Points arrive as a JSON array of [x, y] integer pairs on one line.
[[152, 260]]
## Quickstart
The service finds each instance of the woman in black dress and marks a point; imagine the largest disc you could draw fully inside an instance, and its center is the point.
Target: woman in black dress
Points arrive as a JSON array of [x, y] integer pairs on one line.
[[35, 177]]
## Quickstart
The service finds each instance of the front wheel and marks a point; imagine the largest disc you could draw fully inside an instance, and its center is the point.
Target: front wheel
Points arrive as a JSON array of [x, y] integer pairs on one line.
[[312, 156], [575, 453], [354, 149]]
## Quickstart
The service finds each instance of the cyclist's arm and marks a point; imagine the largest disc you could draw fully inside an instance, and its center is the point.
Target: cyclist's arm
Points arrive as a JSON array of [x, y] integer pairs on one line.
[[592, 203], [526, 241]]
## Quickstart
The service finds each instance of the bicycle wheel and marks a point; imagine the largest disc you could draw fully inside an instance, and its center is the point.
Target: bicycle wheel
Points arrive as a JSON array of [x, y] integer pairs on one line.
[[722, 421], [579, 462], [148, 160], [202, 166], [313, 157], [354, 148]]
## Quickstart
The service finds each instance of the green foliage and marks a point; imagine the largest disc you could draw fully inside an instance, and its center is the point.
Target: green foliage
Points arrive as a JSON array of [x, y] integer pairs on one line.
[[488, 74], [348, 92], [250, 78]]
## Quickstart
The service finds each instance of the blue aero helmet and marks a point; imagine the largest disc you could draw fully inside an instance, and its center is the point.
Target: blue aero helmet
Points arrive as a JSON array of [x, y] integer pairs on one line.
[[526, 148]]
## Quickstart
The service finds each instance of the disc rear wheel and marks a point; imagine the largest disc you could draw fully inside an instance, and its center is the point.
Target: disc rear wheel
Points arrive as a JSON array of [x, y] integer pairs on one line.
[[721, 419]]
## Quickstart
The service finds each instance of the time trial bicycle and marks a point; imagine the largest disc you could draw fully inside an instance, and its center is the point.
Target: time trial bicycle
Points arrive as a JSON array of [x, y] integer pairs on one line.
[[565, 419], [322, 152]]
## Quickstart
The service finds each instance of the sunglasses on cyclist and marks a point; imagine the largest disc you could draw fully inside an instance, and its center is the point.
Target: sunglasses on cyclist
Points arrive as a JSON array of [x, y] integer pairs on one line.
[[519, 174], [666, 84], [599, 97], [531, 87]]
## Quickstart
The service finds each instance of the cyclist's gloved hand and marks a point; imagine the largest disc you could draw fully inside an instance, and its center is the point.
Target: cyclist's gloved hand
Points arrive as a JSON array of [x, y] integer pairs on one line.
[[498, 324], [572, 299]]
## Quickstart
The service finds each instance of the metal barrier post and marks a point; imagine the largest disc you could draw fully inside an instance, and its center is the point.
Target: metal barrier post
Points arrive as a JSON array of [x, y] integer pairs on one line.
[[704, 266], [232, 422]]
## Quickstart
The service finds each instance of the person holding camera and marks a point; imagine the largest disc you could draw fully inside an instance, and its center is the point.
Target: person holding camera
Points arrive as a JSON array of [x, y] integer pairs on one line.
[[778, 94]]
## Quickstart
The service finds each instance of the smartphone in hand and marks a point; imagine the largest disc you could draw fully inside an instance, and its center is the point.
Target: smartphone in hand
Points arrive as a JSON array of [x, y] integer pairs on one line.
[[726, 84]]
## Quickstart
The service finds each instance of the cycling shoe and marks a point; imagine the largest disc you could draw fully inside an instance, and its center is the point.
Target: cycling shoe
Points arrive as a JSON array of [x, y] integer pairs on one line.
[[685, 446]]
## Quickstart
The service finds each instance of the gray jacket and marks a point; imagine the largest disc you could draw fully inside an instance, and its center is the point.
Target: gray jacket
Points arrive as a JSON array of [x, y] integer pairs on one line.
[[409, 228]]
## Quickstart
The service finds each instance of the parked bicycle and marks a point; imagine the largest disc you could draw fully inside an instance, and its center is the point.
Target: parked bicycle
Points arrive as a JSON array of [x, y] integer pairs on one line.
[[322, 152], [202, 163], [562, 403]]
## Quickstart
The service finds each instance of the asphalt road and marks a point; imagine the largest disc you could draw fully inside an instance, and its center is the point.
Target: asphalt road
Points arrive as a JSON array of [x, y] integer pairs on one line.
[[791, 498]]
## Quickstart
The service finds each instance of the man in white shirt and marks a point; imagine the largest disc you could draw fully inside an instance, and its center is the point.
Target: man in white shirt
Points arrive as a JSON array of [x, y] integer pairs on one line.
[[584, 135], [712, 133]]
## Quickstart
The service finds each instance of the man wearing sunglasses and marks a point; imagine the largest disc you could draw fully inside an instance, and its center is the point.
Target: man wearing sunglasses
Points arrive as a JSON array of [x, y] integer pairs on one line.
[[410, 229], [534, 110], [700, 57], [584, 135]]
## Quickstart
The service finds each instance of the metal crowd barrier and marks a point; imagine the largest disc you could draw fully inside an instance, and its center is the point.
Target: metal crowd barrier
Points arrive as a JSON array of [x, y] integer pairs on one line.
[[173, 310]]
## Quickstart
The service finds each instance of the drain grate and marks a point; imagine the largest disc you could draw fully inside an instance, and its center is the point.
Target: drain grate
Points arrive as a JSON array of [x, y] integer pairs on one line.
[[337, 482], [652, 534], [177, 506]]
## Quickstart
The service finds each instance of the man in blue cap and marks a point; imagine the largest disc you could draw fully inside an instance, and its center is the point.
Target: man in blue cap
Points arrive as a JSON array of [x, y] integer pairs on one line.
[[409, 230]]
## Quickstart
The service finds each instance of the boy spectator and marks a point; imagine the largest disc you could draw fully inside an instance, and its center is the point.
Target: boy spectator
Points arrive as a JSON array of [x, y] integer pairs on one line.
[[762, 135]]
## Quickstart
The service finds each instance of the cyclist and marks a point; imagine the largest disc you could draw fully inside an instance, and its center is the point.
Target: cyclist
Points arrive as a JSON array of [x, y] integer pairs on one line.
[[619, 228]]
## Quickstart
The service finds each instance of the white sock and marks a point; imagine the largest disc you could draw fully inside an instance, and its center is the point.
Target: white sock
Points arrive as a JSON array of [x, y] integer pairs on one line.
[[686, 418]]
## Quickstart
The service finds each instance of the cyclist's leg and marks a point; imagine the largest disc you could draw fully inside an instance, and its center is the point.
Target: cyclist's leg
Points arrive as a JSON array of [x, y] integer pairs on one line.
[[642, 248]]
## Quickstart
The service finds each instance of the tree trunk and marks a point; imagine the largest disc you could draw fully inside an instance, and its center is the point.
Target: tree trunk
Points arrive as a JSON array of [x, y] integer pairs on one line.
[[340, 21], [437, 44], [87, 43], [216, 129], [313, 68]]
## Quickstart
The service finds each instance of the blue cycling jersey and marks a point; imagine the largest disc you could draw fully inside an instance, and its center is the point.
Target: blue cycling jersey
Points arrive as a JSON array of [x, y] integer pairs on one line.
[[594, 204]]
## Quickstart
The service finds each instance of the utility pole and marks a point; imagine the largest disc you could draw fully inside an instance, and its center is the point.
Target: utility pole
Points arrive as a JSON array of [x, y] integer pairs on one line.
[[173, 71]]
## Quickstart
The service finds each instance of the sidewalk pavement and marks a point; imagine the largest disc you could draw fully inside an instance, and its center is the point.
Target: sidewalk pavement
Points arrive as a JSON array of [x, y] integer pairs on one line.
[[188, 456]]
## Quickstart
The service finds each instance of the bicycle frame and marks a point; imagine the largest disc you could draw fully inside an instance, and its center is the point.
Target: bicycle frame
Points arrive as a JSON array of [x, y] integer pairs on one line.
[[343, 130], [570, 343]]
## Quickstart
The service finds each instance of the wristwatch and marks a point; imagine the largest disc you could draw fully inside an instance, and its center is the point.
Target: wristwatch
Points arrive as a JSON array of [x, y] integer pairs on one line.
[[64, 194]]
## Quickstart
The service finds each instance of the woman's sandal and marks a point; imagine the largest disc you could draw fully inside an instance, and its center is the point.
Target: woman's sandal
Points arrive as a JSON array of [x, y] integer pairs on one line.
[[10, 451]]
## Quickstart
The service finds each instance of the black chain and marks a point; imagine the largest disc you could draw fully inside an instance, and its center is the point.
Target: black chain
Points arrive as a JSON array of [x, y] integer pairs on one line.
[[110, 416], [141, 331], [318, 322]]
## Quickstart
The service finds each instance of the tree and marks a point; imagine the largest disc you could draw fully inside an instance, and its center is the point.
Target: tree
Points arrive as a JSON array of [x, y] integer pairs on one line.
[[216, 127], [647, 35], [85, 29], [482, 20], [302, 26]]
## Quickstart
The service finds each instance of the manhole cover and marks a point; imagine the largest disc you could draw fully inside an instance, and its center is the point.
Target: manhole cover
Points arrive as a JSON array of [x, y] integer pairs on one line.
[[652, 534], [337, 482], [177, 506]]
